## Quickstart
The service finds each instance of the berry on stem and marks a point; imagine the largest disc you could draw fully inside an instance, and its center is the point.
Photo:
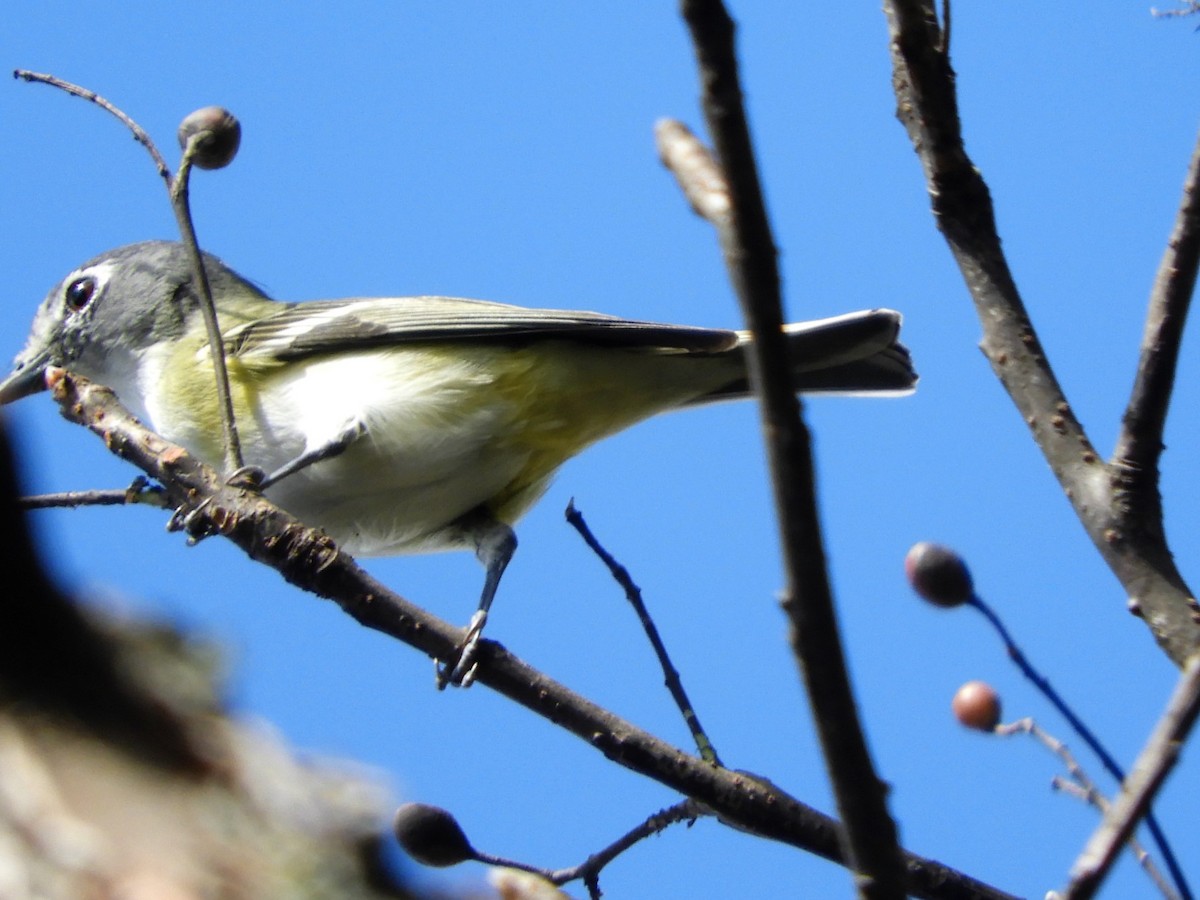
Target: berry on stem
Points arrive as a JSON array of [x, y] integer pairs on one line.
[[431, 836], [976, 705], [938, 574], [220, 135]]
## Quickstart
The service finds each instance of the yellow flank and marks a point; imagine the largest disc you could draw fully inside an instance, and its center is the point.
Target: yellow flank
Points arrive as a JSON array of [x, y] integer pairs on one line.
[[191, 415], [448, 427], [568, 396]]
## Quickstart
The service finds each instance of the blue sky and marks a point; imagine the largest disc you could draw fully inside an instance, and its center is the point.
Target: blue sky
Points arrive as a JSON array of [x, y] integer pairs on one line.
[[505, 151]]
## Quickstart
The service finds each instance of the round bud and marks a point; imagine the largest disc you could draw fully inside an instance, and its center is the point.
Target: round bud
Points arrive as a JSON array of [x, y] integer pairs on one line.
[[938, 574], [977, 706], [431, 836], [219, 134]]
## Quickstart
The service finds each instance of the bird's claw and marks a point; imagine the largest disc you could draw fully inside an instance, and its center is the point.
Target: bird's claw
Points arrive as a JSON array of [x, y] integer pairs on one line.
[[460, 671], [249, 477], [190, 521]]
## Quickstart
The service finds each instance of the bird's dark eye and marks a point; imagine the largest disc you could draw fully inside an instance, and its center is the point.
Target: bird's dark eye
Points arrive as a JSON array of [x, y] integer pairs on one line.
[[79, 293]]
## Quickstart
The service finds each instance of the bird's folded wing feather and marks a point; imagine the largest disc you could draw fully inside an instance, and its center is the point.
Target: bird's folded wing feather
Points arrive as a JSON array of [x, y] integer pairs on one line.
[[326, 326]]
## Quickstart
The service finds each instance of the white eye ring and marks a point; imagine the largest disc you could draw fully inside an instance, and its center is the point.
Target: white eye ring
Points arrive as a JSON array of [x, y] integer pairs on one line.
[[84, 285]]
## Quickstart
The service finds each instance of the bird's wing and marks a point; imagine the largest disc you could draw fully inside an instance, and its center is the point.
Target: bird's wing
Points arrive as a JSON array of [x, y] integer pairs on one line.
[[326, 326]]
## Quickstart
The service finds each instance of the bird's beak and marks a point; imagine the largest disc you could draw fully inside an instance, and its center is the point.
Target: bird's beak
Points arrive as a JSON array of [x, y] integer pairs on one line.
[[28, 378]]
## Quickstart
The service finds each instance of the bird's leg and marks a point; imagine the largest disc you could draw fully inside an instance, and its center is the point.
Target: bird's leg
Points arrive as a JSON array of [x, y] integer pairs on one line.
[[495, 544], [335, 446]]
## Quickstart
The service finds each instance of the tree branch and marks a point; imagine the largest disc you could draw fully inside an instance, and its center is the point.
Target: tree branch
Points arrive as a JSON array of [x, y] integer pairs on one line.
[[310, 560], [750, 256], [1119, 510], [1149, 772], [1140, 443]]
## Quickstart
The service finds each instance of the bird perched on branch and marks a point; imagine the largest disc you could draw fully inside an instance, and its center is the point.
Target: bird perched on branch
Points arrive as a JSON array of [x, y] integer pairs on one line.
[[407, 424]]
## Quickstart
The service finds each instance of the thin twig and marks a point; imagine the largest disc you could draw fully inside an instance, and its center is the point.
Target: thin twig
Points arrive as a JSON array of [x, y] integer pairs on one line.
[[1149, 772], [309, 560], [1191, 7], [1066, 786], [177, 189], [751, 258], [139, 134], [698, 174], [1042, 683], [1140, 443], [590, 868], [1085, 789], [1047, 690], [634, 595], [138, 493], [208, 308]]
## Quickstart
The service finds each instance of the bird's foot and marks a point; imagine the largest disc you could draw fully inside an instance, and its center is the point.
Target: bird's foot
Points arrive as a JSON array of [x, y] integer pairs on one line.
[[460, 671], [248, 477], [192, 522]]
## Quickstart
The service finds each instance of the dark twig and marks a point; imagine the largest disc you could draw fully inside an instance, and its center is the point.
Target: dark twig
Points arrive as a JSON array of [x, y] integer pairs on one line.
[[140, 492], [589, 870], [1047, 690], [750, 257], [75, 90], [183, 216], [1077, 724], [1149, 772], [634, 595], [177, 189], [309, 560]]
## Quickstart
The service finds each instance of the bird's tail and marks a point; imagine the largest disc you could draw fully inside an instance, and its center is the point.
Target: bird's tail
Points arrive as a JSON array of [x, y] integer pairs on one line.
[[857, 353]]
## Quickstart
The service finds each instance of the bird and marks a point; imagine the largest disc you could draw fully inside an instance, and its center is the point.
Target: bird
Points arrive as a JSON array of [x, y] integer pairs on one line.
[[407, 424]]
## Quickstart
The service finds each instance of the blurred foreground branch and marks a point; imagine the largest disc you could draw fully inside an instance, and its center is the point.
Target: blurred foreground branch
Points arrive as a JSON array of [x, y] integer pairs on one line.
[[122, 775]]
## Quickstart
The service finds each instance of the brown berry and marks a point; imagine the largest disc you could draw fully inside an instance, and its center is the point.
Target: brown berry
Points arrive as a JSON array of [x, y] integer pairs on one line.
[[431, 836], [938, 574], [977, 706], [218, 135]]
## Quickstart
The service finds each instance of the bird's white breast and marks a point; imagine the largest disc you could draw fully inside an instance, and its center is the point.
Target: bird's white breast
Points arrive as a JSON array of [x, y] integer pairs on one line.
[[429, 452]]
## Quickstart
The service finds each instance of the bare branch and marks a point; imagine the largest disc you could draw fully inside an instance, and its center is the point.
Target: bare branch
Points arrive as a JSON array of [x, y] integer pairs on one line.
[[633, 594], [138, 493], [1081, 786], [698, 174], [1140, 443], [750, 256], [1118, 502], [1149, 772], [139, 134], [1124, 525]]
